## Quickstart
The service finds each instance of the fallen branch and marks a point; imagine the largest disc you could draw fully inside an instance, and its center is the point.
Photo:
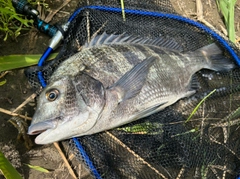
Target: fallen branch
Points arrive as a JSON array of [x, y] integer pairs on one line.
[[30, 98], [139, 158], [14, 114], [200, 16], [52, 13], [65, 160]]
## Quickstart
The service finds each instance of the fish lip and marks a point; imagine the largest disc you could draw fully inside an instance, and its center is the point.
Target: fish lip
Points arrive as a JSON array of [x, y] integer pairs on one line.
[[41, 127], [41, 138]]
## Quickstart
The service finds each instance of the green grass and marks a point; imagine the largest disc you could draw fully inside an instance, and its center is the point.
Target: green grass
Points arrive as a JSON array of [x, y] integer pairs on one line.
[[38, 168], [227, 9], [123, 11], [7, 169], [199, 104], [9, 172], [152, 128], [12, 23], [19, 61]]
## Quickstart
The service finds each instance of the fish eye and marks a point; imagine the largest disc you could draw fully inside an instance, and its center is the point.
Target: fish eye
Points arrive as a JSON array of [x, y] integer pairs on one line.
[[52, 94]]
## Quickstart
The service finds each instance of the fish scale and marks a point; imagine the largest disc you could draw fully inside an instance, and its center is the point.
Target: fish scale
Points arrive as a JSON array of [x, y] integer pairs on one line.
[[123, 66], [70, 103], [118, 79]]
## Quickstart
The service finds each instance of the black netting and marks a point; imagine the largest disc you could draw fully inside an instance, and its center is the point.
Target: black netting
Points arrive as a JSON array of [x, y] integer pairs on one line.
[[165, 144]]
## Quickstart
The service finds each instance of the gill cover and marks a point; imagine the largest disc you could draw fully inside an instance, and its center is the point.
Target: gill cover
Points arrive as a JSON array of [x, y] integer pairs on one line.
[[75, 109], [91, 91]]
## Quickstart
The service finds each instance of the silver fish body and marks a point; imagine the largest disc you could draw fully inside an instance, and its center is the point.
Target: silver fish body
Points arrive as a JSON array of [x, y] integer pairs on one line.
[[107, 85]]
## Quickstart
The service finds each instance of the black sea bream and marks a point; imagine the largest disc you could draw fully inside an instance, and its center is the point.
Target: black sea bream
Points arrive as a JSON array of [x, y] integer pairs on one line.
[[117, 79]]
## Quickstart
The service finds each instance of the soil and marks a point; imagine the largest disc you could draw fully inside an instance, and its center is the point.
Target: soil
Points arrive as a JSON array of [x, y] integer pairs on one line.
[[17, 90]]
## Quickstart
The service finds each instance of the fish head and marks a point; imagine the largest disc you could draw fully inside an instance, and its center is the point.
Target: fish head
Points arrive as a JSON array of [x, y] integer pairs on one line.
[[66, 108]]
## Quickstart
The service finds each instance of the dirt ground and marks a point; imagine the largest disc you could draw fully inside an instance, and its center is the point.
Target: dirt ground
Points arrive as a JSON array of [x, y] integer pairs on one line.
[[17, 90]]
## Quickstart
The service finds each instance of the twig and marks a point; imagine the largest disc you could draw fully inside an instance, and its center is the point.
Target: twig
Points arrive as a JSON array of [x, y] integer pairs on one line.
[[214, 171], [135, 155], [3, 74], [95, 33], [212, 138], [52, 13], [180, 174], [25, 102], [199, 7], [14, 114], [88, 28], [219, 167], [238, 39], [65, 160], [200, 17], [224, 30], [20, 124], [210, 4], [181, 7]]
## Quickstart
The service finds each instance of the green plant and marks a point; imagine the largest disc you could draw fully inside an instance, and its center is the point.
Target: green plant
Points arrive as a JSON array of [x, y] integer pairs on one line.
[[38, 168], [7, 169], [10, 62], [227, 9], [199, 104], [144, 128], [123, 11], [12, 23]]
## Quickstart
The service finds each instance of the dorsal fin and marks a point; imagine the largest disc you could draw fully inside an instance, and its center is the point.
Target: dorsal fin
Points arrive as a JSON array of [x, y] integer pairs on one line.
[[108, 39]]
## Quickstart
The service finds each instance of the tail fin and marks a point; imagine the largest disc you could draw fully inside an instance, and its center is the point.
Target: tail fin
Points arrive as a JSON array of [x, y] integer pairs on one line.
[[215, 58]]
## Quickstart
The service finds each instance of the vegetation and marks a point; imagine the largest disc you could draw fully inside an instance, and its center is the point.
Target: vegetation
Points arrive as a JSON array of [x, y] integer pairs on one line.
[[12, 23], [7, 169], [19, 61], [227, 9], [199, 104]]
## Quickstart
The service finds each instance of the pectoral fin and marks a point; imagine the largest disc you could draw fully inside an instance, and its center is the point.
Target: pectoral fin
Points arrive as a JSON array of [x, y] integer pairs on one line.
[[131, 83]]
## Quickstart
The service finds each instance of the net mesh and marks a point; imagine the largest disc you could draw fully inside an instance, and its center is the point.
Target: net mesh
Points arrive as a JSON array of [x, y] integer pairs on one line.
[[165, 144]]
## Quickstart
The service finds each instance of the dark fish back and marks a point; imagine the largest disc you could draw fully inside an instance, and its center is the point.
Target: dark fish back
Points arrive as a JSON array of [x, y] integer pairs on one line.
[[113, 61]]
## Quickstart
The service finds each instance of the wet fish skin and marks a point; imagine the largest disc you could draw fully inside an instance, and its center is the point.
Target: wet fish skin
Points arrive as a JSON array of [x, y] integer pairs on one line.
[[73, 102], [108, 85]]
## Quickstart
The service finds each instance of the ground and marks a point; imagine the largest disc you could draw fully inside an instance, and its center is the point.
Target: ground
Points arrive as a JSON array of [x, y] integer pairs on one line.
[[17, 90]]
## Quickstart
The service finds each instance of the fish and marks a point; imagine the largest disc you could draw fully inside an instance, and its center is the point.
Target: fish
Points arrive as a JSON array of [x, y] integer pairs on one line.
[[116, 79]]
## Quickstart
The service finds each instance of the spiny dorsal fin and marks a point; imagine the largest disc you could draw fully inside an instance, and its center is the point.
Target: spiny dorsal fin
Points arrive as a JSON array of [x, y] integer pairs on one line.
[[131, 83], [108, 39]]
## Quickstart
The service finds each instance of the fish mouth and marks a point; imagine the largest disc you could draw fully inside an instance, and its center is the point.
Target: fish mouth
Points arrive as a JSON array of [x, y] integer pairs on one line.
[[41, 127], [35, 132]]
